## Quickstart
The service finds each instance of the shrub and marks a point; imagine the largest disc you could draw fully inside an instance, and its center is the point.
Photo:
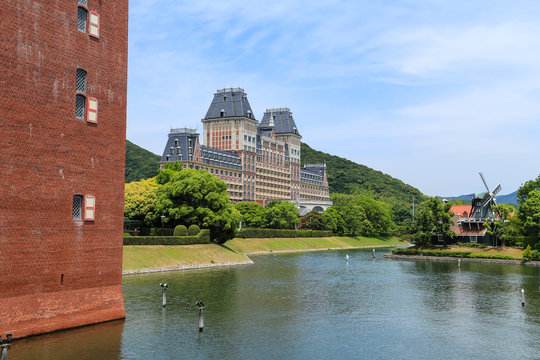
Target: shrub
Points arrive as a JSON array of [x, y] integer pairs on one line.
[[180, 230], [458, 254], [527, 253], [202, 238], [281, 233], [193, 230], [156, 231], [519, 244], [535, 255]]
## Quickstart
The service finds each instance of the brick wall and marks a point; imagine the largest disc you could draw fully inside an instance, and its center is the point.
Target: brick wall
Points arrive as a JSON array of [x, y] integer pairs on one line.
[[56, 272]]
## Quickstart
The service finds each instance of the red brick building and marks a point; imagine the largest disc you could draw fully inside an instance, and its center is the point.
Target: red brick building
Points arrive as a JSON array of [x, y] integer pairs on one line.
[[63, 78]]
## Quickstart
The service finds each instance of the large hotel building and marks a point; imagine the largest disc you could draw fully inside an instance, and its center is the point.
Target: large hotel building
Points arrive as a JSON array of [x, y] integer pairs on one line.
[[259, 161]]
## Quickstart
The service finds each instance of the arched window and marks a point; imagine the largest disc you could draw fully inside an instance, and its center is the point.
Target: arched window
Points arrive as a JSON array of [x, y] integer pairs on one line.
[[80, 98], [82, 16], [222, 113]]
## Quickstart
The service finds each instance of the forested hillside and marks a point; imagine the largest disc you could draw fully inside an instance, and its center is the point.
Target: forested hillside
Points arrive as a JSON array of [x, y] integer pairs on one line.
[[347, 177], [140, 163]]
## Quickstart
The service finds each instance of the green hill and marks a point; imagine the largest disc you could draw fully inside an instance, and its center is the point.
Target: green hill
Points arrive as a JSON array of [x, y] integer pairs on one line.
[[347, 177], [140, 163]]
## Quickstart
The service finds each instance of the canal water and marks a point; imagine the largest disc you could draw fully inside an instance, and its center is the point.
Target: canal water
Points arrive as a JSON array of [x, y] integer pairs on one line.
[[317, 306]]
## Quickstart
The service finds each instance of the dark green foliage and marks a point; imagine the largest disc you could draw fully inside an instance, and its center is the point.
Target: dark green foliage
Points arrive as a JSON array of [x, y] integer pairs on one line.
[[140, 163], [253, 214], [181, 230], [280, 233], [156, 231], [347, 177], [458, 254], [526, 188], [432, 218], [188, 196], [313, 220], [281, 215], [363, 215], [202, 238], [193, 230]]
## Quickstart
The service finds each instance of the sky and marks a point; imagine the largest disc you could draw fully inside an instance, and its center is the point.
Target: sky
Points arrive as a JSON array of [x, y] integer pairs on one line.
[[428, 91]]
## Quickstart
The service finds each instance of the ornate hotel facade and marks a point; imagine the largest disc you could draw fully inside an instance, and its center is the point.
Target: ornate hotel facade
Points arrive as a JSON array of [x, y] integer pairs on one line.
[[259, 161]]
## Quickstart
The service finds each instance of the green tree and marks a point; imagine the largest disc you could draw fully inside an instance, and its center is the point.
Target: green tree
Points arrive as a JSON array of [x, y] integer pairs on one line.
[[313, 220], [282, 215], [140, 201], [526, 188], [355, 220], [431, 218], [333, 220], [500, 229], [253, 214], [529, 214], [188, 197]]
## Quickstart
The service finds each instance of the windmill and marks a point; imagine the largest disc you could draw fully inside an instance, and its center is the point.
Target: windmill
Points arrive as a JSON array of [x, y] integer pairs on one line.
[[482, 202]]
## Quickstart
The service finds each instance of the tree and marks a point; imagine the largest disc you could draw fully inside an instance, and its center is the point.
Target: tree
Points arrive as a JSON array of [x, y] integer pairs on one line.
[[189, 196], [529, 214], [500, 229], [282, 215], [431, 218], [525, 189], [333, 220], [313, 220], [355, 220], [253, 214], [140, 201]]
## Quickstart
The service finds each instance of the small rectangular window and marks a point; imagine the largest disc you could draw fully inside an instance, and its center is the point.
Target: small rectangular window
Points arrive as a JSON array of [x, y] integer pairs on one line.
[[80, 104], [82, 15], [81, 81], [89, 208], [92, 110], [94, 24], [77, 207]]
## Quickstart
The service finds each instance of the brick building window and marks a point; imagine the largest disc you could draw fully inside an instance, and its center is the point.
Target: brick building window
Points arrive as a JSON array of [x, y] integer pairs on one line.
[[82, 16], [77, 207], [81, 81], [83, 2], [80, 99], [80, 104]]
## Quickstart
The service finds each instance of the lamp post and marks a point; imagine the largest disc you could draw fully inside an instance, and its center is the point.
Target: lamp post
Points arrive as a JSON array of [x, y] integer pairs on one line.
[[4, 347], [162, 219]]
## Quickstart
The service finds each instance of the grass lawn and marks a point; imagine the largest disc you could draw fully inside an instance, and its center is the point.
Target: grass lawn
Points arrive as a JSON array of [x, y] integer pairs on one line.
[[514, 252], [290, 244], [138, 257]]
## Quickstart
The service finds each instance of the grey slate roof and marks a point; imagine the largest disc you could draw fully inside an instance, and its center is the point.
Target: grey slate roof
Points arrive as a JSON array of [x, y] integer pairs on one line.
[[233, 102], [177, 147], [282, 119], [313, 173]]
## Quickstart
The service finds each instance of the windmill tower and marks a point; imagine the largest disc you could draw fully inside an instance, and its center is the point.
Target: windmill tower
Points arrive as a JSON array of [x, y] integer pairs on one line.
[[482, 203]]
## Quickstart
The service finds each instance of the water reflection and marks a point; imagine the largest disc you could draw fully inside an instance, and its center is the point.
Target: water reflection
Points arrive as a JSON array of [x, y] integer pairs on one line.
[[317, 306], [101, 341]]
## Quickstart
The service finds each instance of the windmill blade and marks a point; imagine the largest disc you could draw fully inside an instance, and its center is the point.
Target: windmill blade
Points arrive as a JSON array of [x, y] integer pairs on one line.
[[497, 190], [484, 180], [488, 201]]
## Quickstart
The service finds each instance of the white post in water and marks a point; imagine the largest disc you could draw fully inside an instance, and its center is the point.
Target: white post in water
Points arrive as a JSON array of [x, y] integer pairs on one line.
[[374, 253], [164, 290], [459, 263], [200, 304], [522, 297], [347, 258]]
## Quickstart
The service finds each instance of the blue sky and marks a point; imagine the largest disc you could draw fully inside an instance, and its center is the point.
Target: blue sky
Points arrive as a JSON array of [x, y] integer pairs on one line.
[[428, 91]]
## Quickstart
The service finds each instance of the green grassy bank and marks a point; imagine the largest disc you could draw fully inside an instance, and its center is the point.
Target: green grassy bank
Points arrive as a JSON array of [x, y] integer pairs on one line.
[[147, 258]]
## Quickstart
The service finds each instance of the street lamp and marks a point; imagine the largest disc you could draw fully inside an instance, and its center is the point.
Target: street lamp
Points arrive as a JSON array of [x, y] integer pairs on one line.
[[162, 219]]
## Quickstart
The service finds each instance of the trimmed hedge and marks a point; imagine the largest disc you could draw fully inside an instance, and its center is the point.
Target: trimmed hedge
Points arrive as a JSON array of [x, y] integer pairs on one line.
[[156, 231], [193, 230], [181, 230], [458, 254], [281, 233], [202, 238]]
